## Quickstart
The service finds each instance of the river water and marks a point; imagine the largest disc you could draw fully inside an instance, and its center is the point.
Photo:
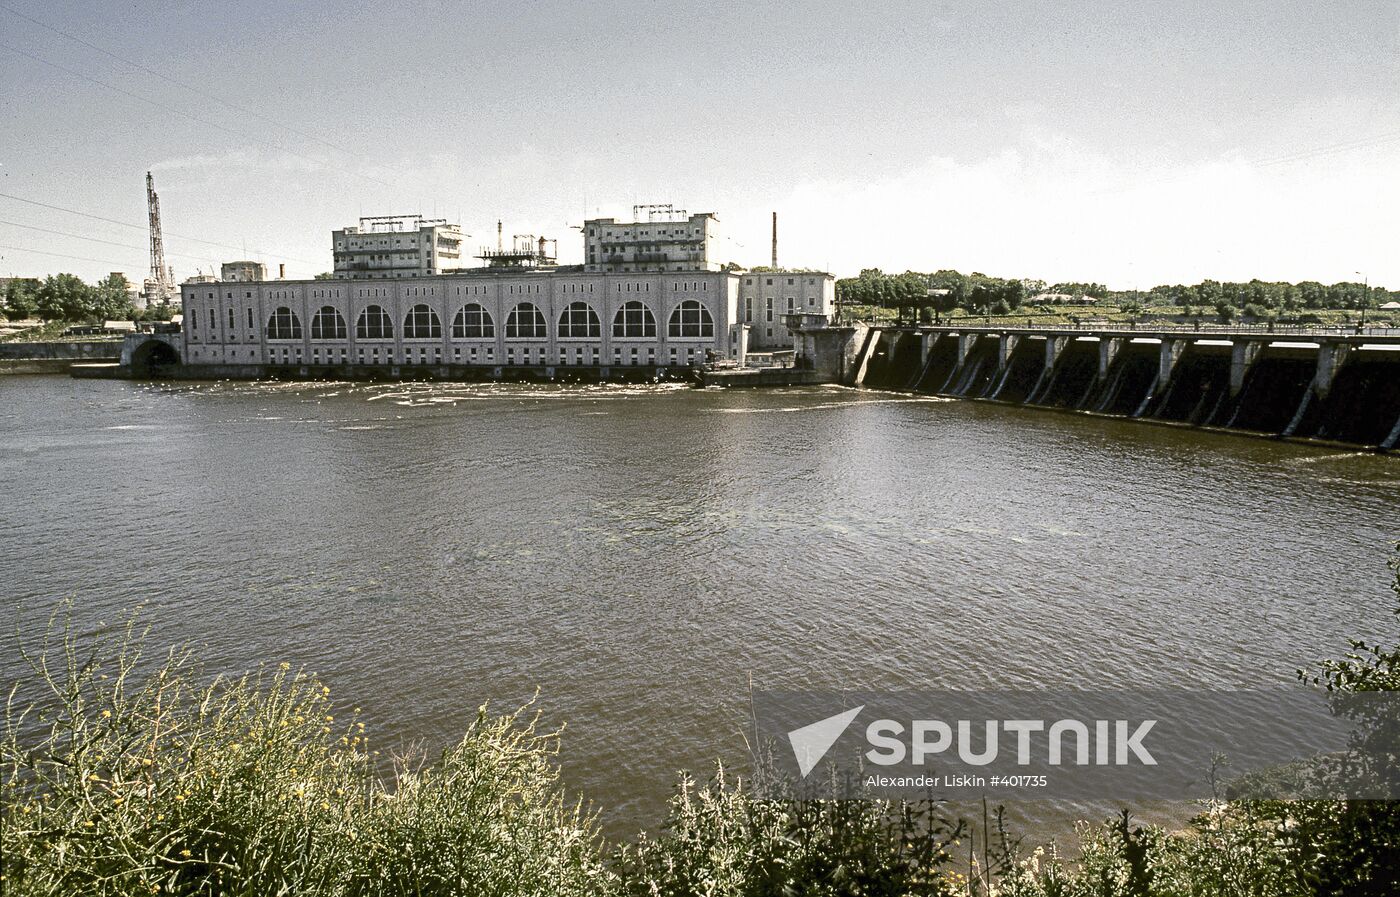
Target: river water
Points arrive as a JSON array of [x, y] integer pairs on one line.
[[640, 554]]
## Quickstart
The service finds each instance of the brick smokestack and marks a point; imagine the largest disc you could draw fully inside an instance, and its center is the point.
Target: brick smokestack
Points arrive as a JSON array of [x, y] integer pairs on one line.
[[775, 239]]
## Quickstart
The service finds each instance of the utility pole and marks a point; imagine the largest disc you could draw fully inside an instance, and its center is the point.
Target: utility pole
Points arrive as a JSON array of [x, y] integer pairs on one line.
[[1365, 296]]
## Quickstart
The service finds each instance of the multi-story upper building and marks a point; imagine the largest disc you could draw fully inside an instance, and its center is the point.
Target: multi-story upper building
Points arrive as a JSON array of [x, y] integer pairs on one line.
[[394, 246], [670, 240], [765, 296]]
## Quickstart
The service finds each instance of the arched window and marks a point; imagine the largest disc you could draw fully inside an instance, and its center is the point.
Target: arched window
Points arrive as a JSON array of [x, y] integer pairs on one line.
[[422, 323], [634, 319], [525, 322], [578, 321], [374, 323], [691, 319], [284, 324], [327, 324], [473, 322]]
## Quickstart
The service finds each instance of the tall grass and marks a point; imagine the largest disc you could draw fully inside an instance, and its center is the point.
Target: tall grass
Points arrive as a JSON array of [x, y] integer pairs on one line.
[[124, 777]]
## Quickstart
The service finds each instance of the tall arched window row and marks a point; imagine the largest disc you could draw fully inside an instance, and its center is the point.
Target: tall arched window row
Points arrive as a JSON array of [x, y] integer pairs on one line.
[[284, 324], [473, 322], [374, 323], [422, 322], [327, 324], [634, 320], [691, 319], [525, 322], [580, 321]]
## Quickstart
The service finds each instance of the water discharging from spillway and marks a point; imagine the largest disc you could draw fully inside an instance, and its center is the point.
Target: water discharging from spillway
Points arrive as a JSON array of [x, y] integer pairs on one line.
[[1130, 380], [895, 362], [1276, 389]]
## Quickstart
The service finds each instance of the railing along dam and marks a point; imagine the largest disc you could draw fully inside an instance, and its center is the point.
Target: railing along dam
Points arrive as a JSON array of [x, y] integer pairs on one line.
[[1305, 384]]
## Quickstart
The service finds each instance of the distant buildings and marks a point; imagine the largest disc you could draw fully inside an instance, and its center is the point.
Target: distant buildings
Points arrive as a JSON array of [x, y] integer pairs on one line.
[[395, 246], [649, 294]]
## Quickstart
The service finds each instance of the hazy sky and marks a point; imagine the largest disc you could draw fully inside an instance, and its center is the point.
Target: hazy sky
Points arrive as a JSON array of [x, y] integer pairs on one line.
[[1126, 142]]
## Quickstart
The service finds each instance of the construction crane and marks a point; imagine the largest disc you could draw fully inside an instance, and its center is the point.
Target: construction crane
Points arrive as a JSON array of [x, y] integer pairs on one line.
[[159, 286]]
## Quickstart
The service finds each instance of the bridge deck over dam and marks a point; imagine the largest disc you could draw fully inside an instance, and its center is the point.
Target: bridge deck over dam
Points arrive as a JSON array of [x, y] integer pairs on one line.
[[1338, 385]]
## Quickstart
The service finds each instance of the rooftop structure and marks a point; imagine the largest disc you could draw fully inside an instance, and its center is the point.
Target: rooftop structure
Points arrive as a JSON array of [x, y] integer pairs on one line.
[[669, 239], [242, 271], [392, 246]]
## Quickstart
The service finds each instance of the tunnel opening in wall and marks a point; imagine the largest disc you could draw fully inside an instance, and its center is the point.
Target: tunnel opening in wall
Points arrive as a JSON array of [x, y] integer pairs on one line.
[[154, 358]]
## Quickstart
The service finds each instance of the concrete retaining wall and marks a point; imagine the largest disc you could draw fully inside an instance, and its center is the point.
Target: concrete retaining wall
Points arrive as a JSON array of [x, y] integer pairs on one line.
[[93, 350]]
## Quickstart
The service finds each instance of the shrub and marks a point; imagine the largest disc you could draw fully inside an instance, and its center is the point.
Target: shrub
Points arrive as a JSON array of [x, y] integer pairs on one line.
[[130, 778], [724, 839]]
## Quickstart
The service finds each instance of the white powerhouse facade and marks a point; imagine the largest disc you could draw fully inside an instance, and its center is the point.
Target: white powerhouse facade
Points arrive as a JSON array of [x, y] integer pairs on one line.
[[558, 317]]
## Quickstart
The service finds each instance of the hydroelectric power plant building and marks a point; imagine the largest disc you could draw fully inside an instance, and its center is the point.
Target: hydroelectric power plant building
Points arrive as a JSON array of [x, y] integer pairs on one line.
[[649, 296]]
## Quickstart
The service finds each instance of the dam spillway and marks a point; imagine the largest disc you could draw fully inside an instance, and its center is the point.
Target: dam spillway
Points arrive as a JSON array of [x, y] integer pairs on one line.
[[1326, 385]]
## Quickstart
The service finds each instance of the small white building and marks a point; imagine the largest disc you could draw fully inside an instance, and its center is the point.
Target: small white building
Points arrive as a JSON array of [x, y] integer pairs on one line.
[[392, 246], [766, 296]]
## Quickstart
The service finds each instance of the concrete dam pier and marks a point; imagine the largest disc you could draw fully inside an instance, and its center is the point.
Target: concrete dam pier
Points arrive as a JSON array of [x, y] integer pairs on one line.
[[1309, 385]]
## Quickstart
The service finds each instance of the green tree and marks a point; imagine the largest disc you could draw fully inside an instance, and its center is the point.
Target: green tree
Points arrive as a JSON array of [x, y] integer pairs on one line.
[[21, 298], [64, 297], [112, 298]]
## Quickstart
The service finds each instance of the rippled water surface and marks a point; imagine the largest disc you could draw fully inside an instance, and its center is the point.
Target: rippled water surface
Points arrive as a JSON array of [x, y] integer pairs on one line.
[[637, 554]]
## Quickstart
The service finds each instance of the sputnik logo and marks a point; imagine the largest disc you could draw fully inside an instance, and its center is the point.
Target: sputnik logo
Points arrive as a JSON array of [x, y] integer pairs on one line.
[[810, 743]]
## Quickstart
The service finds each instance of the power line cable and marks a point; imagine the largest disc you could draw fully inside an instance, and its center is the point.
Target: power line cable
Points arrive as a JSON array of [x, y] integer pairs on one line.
[[64, 233], [178, 83], [203, 121], [81, 258], [1302, 155], [164, 233]]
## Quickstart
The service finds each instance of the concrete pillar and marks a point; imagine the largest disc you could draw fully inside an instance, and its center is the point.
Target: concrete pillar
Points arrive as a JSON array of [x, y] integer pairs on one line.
[[1242, 355], [1330, 357], [1108, 350], [926, 344], [1171, 354], [965, 343], [1005, 347], [1053, 345]]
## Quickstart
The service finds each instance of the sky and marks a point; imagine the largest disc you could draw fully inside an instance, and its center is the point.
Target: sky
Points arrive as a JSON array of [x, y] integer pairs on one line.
[[1128, 143]]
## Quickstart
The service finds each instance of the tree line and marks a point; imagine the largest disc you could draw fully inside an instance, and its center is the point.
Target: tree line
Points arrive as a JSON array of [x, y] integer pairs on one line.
[[68, 298], [979, 294]]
